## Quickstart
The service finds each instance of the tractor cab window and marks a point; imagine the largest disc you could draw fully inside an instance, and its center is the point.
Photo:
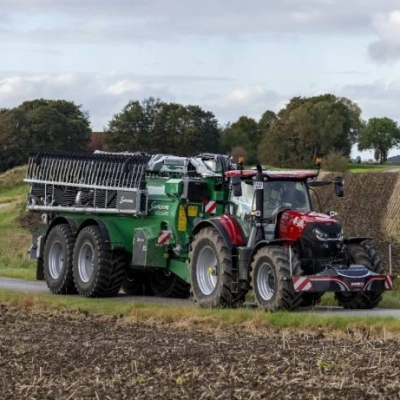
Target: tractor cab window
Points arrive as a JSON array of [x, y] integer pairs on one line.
[[285, 194], [243, 205], [277, 196]]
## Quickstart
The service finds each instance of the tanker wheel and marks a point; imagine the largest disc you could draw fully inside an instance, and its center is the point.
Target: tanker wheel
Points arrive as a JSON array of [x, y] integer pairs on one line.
[[163, 283], [211, 271], [97, 270], [270, 279], [137, 284], [364, 255], [57, 260]]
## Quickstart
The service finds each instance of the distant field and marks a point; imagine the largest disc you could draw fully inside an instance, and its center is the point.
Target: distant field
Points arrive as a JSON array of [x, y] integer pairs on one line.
[[372, 167]]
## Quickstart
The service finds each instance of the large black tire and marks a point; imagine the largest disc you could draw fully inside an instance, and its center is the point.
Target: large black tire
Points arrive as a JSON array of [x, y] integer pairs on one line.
[[311, 299], [57, 260], [97, 270], [163, 283], [137, 284], [271, 281], [211, 271], [364, 255]]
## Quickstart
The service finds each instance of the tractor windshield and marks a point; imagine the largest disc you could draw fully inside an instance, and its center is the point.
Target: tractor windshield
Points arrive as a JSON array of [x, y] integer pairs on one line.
[[285, 194], [278, 194]]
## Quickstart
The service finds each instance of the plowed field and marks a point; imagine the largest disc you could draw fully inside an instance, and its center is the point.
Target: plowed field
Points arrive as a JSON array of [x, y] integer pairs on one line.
[[73, 355]]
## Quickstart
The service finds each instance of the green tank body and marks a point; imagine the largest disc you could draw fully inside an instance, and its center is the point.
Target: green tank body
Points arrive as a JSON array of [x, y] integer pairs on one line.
[[142, 207]]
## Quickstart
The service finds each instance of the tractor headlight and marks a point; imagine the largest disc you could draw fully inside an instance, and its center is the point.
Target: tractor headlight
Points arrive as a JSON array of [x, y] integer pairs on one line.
[[320, 235], [323, 236]]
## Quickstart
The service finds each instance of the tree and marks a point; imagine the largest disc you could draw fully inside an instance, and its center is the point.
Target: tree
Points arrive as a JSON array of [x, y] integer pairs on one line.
[[310, 127], [266, 120], [41, 124], [380, 135], [155, 127], [244, 133]]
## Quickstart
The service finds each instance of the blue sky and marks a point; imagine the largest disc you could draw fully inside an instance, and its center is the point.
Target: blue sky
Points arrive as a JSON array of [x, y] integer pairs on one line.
[[231, 57]]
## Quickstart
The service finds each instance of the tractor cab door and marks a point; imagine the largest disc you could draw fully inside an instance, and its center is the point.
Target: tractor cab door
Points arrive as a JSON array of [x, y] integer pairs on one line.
[[241, 206]]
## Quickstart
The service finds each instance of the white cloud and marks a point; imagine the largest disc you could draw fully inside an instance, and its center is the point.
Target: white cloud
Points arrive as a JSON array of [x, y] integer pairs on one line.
[[124, 86], [102, 95], [251, 101], [387, 47], [143, 20], [231, 57], [377, 99]]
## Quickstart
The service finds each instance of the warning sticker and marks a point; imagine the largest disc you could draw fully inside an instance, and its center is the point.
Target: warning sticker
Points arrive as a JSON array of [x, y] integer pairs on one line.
[[182, 220], [193, 211]]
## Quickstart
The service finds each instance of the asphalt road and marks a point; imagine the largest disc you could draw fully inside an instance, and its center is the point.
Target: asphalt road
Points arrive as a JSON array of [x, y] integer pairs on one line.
[[40, 287]]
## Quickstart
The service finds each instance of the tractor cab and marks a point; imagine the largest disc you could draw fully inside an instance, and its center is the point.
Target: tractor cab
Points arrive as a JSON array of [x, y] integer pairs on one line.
[[280, 191]]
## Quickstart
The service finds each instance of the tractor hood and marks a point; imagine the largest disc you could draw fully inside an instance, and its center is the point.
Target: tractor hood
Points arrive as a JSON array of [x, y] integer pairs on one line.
[[293, 222]]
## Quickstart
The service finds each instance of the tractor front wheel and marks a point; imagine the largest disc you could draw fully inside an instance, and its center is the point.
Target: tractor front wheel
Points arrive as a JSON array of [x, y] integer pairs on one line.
[[364, 255], [271, 279]]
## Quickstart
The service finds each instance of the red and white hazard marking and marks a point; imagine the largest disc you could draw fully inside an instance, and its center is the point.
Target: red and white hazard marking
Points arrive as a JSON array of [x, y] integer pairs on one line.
[[164, 237], [388, 282], [302, 284], [210, 206]]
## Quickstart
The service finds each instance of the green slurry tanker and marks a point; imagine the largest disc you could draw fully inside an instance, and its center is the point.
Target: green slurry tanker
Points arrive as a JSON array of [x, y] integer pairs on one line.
[[203, 226]]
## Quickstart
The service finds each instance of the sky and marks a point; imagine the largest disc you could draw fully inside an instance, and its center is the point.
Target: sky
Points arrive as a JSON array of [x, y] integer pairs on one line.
[[231, 57]]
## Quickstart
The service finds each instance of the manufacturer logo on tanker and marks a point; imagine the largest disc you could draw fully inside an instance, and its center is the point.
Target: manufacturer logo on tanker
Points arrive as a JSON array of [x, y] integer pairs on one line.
[[126, 200], [159, 209]]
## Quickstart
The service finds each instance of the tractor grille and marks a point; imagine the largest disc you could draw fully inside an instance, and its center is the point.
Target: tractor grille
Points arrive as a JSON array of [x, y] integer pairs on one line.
[[76, 181], [321, 246]]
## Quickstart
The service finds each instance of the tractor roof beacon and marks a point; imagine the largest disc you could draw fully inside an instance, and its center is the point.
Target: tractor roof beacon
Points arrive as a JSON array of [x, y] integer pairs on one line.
[[173, 226]]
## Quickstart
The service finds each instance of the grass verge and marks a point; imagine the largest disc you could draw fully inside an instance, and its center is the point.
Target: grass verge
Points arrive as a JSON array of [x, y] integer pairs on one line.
[[192, 317], [15, 240]]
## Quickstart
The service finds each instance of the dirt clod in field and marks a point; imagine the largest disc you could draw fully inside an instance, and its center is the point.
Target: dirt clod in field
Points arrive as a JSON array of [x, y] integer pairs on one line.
[[72, 355]]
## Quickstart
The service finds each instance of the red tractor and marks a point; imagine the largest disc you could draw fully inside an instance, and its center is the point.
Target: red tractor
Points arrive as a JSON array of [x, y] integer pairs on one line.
[[271, 241]]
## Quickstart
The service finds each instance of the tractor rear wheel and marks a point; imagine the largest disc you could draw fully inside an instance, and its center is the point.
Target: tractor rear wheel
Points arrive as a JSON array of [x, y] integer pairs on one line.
[[164, 283], [364, 255], [211, 271], [271, 280], [57, 260], [97, 270]]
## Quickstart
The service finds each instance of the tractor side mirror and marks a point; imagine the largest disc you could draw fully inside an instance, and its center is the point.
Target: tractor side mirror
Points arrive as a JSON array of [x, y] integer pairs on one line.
[[339, 186], [236, 186]]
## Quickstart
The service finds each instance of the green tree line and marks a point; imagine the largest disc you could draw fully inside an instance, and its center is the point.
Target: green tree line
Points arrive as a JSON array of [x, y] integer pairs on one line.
[[306, 128]]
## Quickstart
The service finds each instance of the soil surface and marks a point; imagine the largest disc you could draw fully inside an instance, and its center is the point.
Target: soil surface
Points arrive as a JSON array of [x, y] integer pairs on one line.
[[74, 355]]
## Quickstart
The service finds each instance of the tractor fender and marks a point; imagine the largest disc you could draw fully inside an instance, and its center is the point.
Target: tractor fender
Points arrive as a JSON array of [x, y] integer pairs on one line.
[[228, 228], [284, 242]]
